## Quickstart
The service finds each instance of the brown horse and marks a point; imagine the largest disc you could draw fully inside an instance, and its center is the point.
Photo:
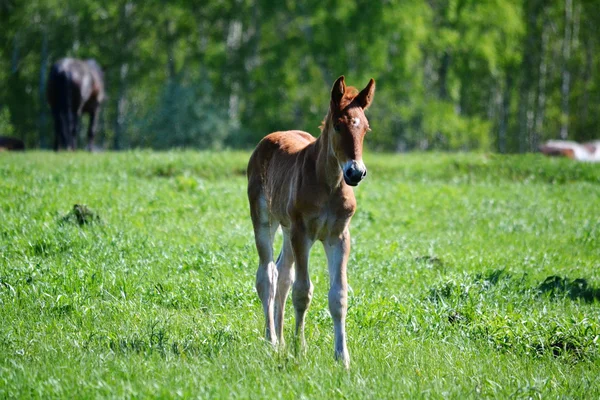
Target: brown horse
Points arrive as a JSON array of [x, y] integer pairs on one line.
[[74, 87], [303, 184]]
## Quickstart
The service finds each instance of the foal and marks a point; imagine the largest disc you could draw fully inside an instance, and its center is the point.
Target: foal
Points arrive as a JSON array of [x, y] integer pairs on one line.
[[303, 184]]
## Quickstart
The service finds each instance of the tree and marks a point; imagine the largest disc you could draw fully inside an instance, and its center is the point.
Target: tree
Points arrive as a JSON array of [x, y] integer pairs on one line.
[[451, 74]]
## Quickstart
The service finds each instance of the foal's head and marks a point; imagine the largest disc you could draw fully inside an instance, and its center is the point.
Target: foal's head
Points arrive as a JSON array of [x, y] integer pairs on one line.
[[349, 125]]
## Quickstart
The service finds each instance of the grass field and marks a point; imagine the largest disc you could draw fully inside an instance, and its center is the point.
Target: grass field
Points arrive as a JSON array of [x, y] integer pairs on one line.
[[472, 276]]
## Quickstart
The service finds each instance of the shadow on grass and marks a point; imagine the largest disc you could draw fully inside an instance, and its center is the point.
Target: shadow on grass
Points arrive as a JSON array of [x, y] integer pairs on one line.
[[461, 302], [574, 289], [554, 286], [430, 260], [481, 282]]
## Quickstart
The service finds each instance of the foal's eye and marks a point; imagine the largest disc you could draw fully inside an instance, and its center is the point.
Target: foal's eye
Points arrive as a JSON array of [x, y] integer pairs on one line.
[[355, 121]]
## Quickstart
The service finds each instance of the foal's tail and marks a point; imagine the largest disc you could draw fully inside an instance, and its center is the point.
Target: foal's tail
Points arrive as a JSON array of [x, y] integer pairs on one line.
[[60, 93]]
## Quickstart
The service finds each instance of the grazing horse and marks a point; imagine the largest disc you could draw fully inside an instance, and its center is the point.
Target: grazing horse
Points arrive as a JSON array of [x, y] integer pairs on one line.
[[74, 87], [304, 185], [589, 152], [11, 143]]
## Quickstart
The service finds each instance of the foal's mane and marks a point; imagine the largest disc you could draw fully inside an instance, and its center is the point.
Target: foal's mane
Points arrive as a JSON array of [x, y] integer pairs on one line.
[[349, 94]]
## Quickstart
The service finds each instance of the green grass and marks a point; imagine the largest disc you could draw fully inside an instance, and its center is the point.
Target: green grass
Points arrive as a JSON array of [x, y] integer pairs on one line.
[[472, 276]]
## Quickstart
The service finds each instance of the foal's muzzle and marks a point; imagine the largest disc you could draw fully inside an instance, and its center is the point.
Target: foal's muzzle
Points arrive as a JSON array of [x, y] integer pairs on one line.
[[354, 172]]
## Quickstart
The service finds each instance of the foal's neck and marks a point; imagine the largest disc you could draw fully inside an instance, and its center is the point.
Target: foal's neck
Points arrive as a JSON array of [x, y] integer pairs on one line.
[[328, 167]]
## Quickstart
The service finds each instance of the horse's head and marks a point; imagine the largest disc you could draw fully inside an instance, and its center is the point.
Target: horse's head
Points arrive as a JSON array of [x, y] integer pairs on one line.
[[349, 126]]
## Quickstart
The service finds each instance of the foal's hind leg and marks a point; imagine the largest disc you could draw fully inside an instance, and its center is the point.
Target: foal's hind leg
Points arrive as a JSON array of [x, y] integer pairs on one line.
[[266, 276], [303, 288], [285, 269]]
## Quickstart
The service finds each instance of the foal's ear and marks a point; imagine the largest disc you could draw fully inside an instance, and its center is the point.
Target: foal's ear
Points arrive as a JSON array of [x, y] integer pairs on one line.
[[337, 91], [365, 97]]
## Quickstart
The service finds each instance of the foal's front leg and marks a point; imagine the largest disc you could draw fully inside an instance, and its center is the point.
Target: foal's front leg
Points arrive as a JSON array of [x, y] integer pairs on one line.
[[337, 249]]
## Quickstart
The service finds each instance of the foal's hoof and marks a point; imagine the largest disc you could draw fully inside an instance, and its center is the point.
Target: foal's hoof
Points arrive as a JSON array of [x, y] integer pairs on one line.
[[271, 340], [344, 358], [299, 347]]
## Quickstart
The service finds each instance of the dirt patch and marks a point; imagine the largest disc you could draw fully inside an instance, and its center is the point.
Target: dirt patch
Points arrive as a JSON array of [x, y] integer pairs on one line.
[[80, 215]]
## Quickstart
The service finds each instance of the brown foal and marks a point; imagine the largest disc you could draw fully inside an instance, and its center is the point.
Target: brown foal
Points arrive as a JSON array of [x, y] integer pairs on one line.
[[303, 185]]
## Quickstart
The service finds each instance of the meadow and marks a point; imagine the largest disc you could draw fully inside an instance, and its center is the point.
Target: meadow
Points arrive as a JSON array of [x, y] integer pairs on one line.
[[471, 276]]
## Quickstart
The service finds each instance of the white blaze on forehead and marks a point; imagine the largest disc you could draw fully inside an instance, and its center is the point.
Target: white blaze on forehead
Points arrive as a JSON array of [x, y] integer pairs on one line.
[[355, 121]]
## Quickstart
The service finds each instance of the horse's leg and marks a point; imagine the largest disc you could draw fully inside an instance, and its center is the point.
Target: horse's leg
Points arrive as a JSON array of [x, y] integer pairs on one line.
[[285, 269], [66, 130], [70, 136], [58, 128], [92, 128], [266, 276], [302, 287], [337, 249], [75, 118]]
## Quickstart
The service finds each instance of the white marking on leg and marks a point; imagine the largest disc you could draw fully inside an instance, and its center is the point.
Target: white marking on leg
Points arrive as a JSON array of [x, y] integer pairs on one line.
[[337, 251], [266, 276], [285, 269]]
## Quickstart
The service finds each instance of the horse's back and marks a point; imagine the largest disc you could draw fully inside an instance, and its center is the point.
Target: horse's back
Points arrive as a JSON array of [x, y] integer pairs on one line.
[[69, 69], [63, 83], [273, 162], [82, 77], [289, 142], [62, 66], [280, 147]]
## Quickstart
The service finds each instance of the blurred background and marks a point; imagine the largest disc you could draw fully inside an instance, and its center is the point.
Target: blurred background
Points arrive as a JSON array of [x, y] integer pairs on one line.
[[488, 75]]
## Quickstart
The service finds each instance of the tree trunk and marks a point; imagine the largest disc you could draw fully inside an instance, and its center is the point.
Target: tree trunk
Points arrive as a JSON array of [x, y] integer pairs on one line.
[[587, 81], [566, 74], [169, 41], [443, 75], [537, 132], [235, 33], [505, 112], [14, 67], [126, 40], [121, 106], [42, 91], [533, 9]]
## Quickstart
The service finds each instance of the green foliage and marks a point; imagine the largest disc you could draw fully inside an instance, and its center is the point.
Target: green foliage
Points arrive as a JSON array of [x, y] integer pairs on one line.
[[451, 74], [185, 116], [6, 127], [472, 276], [442, 128]]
